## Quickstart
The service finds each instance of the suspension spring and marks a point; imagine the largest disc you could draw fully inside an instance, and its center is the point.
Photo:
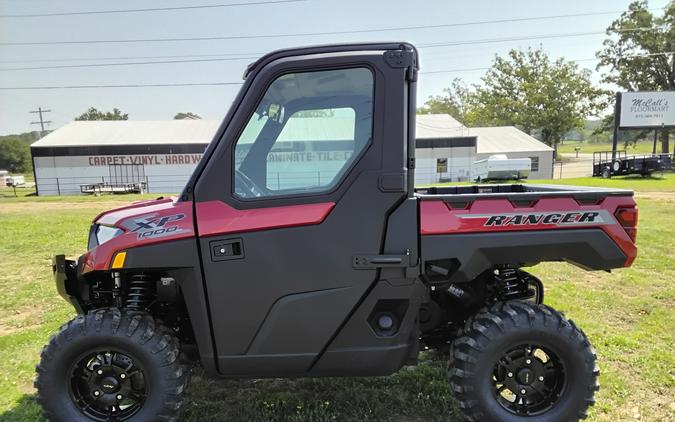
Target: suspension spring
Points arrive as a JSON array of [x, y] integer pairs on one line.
[[139, 293]]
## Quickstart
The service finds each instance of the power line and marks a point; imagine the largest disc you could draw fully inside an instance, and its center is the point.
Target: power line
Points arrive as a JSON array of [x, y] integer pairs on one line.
[[82, 59], [306, 34], [594, 59], [22, 88], [149, 9], [421, 46], [54, 87], [125, 63], [522, 38]]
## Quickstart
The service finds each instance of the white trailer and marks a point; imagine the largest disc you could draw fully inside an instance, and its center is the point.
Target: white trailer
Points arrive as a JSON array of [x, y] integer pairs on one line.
[[500, 167], [16, 180]]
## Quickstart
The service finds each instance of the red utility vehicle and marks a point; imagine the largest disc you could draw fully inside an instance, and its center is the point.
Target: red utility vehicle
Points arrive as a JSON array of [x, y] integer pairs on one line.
[[300, 248]]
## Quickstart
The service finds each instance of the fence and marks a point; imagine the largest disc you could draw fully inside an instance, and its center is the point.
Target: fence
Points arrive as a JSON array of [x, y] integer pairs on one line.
[[275, 180], [168, 183], [106, 184]]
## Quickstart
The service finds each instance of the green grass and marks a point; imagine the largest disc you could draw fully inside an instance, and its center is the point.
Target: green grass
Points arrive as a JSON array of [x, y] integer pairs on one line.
[[656, 183], [28, 195], [642, 147], [629, 316], [662, 182]]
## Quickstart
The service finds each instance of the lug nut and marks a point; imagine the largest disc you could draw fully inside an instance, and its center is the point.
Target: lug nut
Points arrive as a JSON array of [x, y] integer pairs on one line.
[[100, 372], [510, 374], [119, 397], [97, 393], [122, 376], [541, 378], [523, 391], [528, 361]]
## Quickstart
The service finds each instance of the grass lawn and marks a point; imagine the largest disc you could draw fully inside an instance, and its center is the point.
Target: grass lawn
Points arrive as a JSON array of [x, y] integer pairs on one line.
[[642, 147], [656, 183], [629, 316]]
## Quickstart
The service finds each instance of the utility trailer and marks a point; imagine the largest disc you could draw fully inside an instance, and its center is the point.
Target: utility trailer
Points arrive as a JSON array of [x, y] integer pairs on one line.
[[618, 163], [112, 188], [351, 275], [500, 167]]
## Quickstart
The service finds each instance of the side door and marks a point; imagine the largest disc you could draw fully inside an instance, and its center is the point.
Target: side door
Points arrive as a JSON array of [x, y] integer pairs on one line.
[[301, 179]]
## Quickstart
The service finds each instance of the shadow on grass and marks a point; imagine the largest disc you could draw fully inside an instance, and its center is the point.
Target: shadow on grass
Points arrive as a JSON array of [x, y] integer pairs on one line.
[[26, 409], [413, 394], [418, 393]]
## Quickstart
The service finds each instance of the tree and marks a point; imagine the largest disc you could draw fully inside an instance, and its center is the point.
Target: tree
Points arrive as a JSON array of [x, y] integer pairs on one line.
[[528, 90], [94, 114], [189, 115], [15, 155], [455, 101], [638, 55]]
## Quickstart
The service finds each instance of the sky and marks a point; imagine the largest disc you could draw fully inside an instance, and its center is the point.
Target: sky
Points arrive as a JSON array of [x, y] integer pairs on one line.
[[271, 25]]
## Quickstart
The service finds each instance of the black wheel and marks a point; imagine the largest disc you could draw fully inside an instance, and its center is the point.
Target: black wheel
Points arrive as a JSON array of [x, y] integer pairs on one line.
[[606, 173], [111, 365], [518, 361]]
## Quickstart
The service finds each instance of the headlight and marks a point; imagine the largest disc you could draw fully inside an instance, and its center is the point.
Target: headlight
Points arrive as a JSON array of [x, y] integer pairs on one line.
[[106, 233]]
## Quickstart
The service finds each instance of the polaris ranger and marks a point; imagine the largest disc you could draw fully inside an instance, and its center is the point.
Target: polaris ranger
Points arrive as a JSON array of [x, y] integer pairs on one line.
[[300, 248]]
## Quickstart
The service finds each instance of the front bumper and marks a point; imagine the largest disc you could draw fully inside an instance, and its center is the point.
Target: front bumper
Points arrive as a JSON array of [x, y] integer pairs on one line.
[[67, 281]]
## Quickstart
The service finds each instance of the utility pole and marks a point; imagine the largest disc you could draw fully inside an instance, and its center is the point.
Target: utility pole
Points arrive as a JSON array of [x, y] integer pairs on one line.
[[42, 121]]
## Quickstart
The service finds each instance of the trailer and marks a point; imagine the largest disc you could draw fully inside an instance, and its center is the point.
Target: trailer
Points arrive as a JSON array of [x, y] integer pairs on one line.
[[618, 163], [500, 167], [105, 187], [15, 181]]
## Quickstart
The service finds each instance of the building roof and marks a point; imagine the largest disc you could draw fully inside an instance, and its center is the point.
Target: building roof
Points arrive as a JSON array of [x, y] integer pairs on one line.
[[491, 140], [130, 132], [438, 126], [505, 139], [187, 131]]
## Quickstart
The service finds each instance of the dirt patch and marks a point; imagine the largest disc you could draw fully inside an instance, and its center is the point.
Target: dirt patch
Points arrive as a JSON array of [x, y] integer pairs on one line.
[[663, 196], [28, 317], [19, 207]]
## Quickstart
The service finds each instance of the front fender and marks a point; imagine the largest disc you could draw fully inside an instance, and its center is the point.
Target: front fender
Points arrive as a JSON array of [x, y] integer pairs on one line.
[[68, 283]]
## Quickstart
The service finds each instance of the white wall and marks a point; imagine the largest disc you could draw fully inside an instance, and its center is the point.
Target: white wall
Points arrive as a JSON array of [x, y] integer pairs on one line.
[[164, 173], [65, 175], [459, 164]]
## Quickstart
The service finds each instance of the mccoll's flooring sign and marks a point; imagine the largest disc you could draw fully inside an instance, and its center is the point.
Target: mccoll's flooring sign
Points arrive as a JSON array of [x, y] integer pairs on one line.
[[647, 109]]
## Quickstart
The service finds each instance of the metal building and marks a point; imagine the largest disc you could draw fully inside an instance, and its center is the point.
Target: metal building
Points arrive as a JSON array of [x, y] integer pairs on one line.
[[155, 156], [159, 156], [446, 149]]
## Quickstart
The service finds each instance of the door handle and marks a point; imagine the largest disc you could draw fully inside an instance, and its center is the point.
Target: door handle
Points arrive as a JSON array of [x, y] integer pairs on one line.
[[380, 261], [225, 250]]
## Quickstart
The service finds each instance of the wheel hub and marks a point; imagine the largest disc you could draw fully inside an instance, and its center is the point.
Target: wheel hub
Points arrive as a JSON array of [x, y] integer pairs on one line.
[[107, 385], [526, 376], [528, 380], [110, 385]]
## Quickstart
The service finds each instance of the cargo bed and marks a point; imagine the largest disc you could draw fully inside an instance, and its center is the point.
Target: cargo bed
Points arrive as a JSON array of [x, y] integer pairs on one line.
[[525, 192]]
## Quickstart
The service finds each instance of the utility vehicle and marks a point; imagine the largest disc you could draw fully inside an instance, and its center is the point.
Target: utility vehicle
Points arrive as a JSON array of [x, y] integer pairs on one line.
[[300, 248]]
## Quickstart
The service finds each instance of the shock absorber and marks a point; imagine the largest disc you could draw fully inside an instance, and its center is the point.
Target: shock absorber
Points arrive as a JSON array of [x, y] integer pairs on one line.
[[139, 293]]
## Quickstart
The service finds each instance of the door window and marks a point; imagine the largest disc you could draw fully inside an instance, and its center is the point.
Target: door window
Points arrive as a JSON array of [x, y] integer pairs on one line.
[[306, 133]]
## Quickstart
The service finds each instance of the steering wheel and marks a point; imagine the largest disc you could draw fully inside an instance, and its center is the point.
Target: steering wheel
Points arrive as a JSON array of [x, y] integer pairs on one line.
[[245, 187]]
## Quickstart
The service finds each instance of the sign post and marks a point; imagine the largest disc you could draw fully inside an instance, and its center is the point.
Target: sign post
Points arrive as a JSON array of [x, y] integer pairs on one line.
[[617, 124]]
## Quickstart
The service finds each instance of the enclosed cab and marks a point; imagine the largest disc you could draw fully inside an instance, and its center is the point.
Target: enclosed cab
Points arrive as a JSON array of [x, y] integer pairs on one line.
[[329, 263]]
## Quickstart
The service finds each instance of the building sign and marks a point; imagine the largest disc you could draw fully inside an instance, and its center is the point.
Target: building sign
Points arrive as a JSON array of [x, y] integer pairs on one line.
[[647, 109], [148, 160]]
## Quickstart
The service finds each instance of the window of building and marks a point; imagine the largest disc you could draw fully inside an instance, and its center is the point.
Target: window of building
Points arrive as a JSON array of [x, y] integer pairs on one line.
[[534, 163], [441, 165]]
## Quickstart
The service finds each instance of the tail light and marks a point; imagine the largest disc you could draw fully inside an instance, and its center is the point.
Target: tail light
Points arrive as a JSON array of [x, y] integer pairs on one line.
[[628, 218]]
